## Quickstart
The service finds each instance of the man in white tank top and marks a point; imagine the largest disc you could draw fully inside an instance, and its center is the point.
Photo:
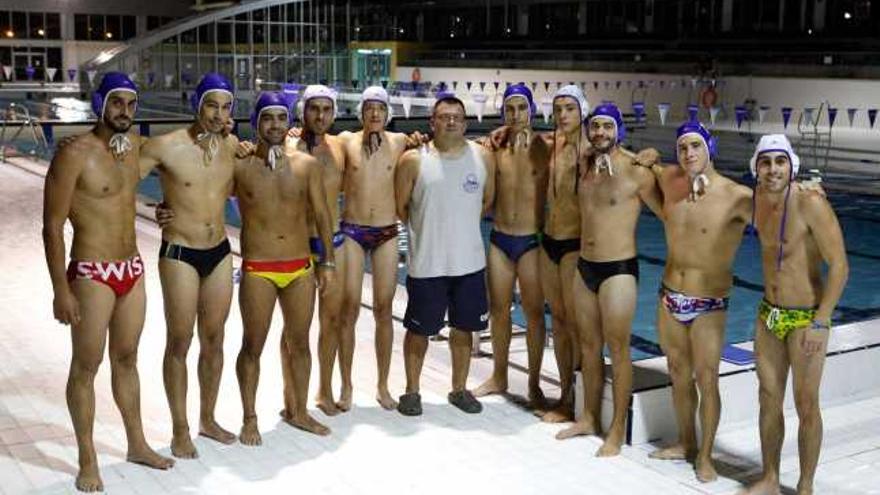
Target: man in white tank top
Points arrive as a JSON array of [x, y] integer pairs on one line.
[[442, 191]]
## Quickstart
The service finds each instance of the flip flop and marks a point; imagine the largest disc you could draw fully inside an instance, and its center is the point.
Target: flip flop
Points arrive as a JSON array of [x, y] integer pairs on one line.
[[410, 404], [465, 401]]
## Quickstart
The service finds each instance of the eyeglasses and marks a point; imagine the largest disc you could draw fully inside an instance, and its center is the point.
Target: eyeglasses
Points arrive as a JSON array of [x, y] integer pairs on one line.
[[452, 118]]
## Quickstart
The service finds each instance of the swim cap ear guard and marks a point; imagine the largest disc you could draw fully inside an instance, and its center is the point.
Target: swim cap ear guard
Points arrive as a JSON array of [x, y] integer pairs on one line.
[[375, 93], [209, 83], [270, 100], [523, 91], [573, 91], [111, 82], [313, 91], [694, 127], [775, 142], [609, 110]]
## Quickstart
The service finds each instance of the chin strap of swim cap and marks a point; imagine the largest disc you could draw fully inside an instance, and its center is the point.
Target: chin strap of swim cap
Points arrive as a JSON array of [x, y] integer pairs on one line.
[[120, 144], [603, 164], [698, 186], [275, 156], [210, 143]]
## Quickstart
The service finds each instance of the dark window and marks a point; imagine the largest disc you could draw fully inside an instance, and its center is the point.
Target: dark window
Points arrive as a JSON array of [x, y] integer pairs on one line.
[[241, 34], [53, 26], [206, 37], [37, 23], [188, 37], [275, 14], [113, 28], [19, 24], [258, 15], [53, 59], [4, 23], [129, 27], [80, 27], [5, 55], [96, 27], [224, 33], [153, 22], [259, 33]]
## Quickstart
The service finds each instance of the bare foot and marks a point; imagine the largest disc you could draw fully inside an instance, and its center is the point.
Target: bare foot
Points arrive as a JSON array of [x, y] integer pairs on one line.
[[537, 401], [611, 446], [385, 400], [578, 429], [212, 430], [250, 433], [804, 489], [146, 456], [562, 413], [491, 386], [326, 405], [675, 453], [345, 400], [183, 447], [307, 423], [705, 470], [88, 479], [763, 487]]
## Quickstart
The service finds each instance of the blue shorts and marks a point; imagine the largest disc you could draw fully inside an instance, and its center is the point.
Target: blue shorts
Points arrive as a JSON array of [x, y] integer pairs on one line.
[[464, 297]]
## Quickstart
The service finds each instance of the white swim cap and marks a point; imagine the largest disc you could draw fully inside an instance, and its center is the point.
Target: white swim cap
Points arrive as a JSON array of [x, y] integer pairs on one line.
[[374, 93], [775, 142], [573, 91], [313, 91]]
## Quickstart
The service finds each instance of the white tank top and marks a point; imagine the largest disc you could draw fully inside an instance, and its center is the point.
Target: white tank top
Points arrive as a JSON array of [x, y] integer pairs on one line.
[[444, 215]]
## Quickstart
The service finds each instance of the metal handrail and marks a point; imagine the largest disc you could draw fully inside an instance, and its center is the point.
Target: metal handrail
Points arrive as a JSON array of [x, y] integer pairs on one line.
[[20, 115]]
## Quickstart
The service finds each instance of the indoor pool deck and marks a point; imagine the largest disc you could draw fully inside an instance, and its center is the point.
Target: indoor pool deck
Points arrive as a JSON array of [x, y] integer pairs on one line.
[[504, 450]]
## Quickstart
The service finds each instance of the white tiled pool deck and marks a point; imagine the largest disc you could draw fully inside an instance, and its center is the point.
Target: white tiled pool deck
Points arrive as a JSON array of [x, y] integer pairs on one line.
[[503, 450]]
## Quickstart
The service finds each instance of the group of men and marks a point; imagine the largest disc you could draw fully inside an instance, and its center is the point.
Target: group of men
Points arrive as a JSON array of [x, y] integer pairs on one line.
[[565, 206]]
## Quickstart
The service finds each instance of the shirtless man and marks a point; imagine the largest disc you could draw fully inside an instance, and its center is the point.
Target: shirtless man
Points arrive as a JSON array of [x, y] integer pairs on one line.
[[196, 166], [521, 185], [93, 182], [704, 215], [611, 192], [442, 192], [798, 231], [273, 187], [369, 222]]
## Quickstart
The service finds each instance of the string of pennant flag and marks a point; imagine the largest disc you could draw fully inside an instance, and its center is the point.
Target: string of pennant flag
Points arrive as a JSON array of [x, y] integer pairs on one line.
[[741, 113]]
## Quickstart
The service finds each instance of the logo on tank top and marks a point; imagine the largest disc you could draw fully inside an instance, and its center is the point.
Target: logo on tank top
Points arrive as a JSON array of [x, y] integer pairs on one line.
[[470, 184]]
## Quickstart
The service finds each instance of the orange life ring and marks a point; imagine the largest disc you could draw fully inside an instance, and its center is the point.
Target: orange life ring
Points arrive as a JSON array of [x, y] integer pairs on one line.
[[708, 97]]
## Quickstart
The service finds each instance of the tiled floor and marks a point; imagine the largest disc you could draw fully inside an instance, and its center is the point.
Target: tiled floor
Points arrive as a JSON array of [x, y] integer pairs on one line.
[[503, 450]]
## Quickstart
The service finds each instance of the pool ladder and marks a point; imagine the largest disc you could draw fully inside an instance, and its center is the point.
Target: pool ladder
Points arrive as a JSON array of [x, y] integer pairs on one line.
[[20, 117], [815, 143]]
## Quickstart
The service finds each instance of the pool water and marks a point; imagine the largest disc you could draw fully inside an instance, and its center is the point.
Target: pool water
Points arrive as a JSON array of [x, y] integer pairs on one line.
[[859, 217]]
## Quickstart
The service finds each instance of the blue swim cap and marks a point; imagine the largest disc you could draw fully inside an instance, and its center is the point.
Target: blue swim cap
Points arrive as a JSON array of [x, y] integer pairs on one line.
[[522, 90], [112, 81], [210, 82], [694, 127], [270, 100], [609, 110]]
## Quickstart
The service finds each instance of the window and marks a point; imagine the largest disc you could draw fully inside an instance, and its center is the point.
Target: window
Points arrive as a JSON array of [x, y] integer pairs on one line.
[[53, 26], [129, 27], [37, 25], [113, 28], [19, 25], [80, 27], [96, 27]]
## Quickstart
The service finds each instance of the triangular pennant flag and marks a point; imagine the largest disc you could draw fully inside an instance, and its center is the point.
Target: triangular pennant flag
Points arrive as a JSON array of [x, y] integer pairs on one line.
[[50, 73], [663, 110], [662, 84], [639, 110], [713, 114], [29, 72], [693, 110], [641, 84], [91, 74], [454, 85], [629, 84], [507, 84], [607, 84], [385, 83], [558, 84], [534, 86], [546, 109], [739, 112], [7, 71], [546, 86], [693, 83], [584, 86], [71, 74], [407, 105], [415, 85], [354, 83], [468, 85], [832, 116], [617, 84], [480, 99], [133, 76], [786, 116], [672, 84], [596, 85], [169, 78], [496, 83], [442, 86], [808, 115], [851, 114], [872, 116], [571, 83], [482, 85], [651, 83], [762, 113]]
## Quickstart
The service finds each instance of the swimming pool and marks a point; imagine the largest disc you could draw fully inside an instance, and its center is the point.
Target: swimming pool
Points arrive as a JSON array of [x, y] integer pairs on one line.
[[859, 218]]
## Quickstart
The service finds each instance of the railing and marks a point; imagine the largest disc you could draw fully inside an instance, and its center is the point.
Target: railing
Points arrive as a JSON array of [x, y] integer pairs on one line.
[[21, 117]]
